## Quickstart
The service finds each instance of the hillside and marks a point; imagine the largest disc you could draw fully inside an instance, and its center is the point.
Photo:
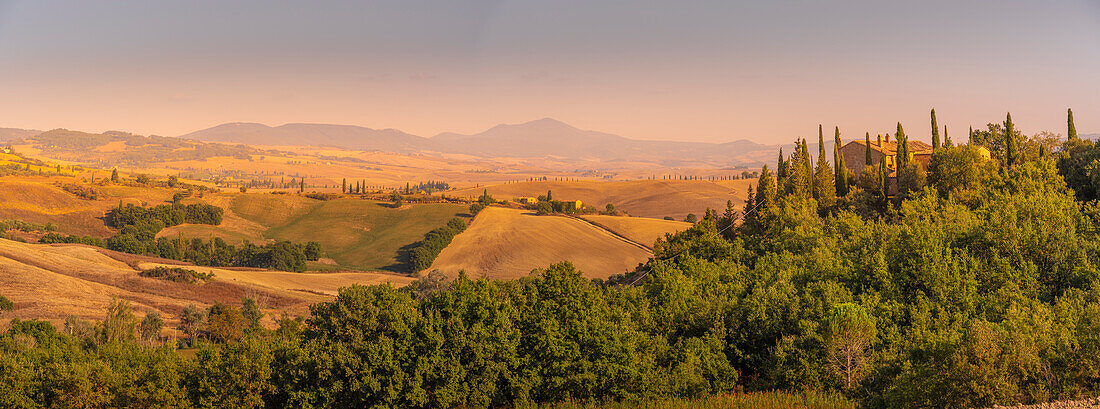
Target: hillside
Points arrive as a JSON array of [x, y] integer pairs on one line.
[[543, 138], [345, 136], [54, 281], [355, 233], [642, 198], [640, 229], [506, 243]]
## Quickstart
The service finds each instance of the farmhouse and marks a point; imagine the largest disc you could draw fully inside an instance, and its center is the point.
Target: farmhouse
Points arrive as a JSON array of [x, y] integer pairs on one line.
[[855, 154]]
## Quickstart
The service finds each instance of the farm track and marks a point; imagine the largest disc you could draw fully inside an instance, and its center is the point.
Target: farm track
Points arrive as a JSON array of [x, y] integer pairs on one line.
[[613, 233]]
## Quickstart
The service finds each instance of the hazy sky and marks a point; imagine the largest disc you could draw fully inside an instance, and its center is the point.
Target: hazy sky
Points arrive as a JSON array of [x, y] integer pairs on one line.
[[686, 70]]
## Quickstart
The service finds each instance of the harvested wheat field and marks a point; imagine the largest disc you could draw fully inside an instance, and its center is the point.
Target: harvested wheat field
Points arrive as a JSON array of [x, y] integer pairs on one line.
[[642, 198], [52, 282], [642, 230], [313, 283], [506, 243]]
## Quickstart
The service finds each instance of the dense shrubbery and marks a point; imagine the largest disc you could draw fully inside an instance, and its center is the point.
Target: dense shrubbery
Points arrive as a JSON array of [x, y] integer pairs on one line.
[[177, 274], [422, 256], [166, 215], [82, 191], [51, 237], [138, 227]]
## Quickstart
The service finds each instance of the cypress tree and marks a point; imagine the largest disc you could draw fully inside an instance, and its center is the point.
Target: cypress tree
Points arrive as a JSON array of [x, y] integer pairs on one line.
[[902, 152], [344, 185], [1010, 142], [840, 176], [1071, 132], [946, 139], [808, 168], [935, 132], [882, 185], [880, 141], [867, 156], [824, 187], [970, 139]]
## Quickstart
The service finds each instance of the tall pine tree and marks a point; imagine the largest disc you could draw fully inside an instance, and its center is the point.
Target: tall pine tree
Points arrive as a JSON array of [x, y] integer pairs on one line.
[[840, 171], [946, 139], [935, 132], [1071, 131], [1010, 142], [824, 184], [867, 157], [902, 152]]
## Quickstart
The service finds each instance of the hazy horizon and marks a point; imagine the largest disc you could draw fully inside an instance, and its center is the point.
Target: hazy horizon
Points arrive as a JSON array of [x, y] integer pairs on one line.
[[693, 71]]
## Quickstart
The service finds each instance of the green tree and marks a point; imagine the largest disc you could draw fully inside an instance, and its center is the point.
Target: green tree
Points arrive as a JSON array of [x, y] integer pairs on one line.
[[902, 152], [935, 132], [224, 322], [867, 155], [251, 313], [114, 175], [691, 218], [1071, 130], [192, 322], [344, 185], [955, 169], [839, 167], [150, 326], [6, 304], [1011, 147], [120, 323], [849, 333], [825, 190]]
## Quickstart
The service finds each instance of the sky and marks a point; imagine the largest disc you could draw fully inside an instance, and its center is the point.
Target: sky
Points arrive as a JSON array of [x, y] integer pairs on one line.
[[714, 71]]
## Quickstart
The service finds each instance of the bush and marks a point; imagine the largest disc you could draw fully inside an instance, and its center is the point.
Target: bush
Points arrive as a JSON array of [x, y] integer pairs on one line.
[[177, 274], [422, 255]]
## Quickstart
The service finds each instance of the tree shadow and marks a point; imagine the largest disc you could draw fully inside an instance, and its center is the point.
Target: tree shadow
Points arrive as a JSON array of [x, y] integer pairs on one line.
[[404, 259]]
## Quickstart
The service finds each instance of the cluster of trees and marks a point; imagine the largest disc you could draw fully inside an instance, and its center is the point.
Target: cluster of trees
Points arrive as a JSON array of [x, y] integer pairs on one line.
[[177, 274], [167, 215], [280, 255], [483, 201], [547, 205], [138, 228], [424, 253]]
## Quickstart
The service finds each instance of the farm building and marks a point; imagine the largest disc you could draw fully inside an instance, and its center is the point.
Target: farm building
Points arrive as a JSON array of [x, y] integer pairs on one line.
[[855, 154]]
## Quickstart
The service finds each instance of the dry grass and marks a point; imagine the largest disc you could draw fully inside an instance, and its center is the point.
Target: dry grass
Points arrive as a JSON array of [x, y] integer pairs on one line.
[[508, 243], [311, 283], [639, 229], [643, 198], [52, 282], [755, 400]]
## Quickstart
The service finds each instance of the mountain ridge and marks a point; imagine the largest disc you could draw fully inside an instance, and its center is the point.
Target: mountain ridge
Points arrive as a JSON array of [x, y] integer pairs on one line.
[[545, 137]]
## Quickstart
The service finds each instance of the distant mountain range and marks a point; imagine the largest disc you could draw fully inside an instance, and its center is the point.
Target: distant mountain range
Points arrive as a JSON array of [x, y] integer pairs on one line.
[[543, 138], [9, 134]]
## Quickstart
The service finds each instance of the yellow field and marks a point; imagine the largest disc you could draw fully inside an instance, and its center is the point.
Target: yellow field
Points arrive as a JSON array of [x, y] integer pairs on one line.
[[642, 230], [52, 282], [642, 198], [506, 243]]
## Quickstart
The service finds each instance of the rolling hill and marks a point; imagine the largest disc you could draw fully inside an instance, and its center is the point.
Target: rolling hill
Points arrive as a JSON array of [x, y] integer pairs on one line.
[[356, 234], [504, 243], [52, 282], [643, 198]]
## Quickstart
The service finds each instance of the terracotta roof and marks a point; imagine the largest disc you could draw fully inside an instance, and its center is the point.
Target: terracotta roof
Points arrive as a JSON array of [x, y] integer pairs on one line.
[[890, 148]]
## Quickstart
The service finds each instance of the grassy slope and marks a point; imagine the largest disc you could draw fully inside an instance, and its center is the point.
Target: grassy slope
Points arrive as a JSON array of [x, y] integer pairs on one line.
[[508, 243], [355, 233], [639, 229], [644, 198]]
